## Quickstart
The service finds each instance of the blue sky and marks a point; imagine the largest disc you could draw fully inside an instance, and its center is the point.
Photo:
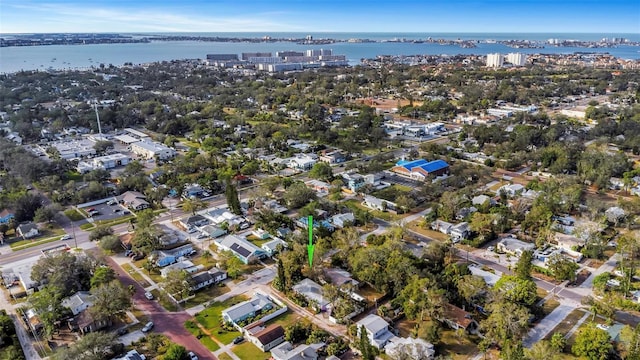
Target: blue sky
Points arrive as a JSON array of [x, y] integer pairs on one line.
[[542, 16]]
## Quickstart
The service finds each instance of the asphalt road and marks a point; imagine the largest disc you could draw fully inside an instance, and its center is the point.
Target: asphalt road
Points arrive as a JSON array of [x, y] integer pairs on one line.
[[167, 323]]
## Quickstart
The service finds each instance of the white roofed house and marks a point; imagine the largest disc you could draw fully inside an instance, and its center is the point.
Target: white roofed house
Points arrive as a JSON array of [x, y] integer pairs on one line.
[[302, 162], [241, 248], [513, 246], [377, 330], [342, 220], [271, 247], [78, 302]]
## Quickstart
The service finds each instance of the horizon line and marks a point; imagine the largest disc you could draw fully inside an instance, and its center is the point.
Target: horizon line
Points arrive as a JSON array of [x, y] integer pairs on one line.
[[318, 32]]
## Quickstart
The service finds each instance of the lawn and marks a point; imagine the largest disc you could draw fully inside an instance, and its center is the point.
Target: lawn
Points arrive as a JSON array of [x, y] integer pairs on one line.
[[164, 300], [206, 294], [224, 356], [457, 347], [435, 235], [568, 323], [257, 241], [73, 215], [355, 204], [248, 351], [23, 244], [549, 305], [135, 275], [211, 318], [392, 192], [87, 226], [285, 319], [209, 343]]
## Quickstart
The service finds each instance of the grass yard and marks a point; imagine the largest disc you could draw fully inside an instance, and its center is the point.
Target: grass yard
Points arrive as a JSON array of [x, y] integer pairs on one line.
[[392, 192], [567, 324], [206, 294], [135, 275], [209, 343], [257, 241], [24, 244], [457, 347], [387, 216], [549, 305], [436, 235], [224, 356], [164, 300], [210, 318], [285, 320], [87, 226], [248, 351], [73, 215]]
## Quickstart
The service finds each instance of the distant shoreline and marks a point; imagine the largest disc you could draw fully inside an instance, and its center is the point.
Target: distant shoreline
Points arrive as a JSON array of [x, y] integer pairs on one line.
[[92, 39]]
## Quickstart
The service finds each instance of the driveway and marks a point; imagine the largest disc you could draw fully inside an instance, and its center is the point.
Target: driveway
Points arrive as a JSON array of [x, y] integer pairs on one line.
[[166, 323]]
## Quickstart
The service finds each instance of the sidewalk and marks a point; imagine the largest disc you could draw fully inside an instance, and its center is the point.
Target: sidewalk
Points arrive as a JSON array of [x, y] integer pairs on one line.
[[546, 325]]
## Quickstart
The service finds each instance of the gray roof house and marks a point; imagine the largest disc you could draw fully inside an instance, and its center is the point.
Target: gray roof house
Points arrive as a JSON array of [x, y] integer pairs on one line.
[[312, 291], [377, 330], [286, 351], [247, 309], [271, 246], [28, 230], [78, 302], [514, 246]]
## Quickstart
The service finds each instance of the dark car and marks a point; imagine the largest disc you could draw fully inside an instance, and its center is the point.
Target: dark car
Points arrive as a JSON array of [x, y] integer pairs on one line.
[[238, 340], [122, 331]]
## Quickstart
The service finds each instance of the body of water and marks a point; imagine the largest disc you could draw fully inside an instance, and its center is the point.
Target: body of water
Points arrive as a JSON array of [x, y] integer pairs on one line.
[[13, 59]]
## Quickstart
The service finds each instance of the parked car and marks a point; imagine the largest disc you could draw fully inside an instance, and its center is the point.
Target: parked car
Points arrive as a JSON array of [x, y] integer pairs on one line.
[[126, 212], [238, 340], [116, 210], [148, 295], [122, 331], [66, 237], [111, 202], [147, 327], [192, 355]]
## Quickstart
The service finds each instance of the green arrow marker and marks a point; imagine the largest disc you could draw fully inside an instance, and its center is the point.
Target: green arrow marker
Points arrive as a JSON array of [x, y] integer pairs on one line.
[[310, 246]]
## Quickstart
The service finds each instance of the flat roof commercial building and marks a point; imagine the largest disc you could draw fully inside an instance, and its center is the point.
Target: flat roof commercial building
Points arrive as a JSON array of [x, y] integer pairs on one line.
[[151, 149]]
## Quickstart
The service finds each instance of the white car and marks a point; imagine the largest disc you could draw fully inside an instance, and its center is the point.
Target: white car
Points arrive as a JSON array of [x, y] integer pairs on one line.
[[147, 327], [148, 295], [66, 237], [603, 327], [192, 356]]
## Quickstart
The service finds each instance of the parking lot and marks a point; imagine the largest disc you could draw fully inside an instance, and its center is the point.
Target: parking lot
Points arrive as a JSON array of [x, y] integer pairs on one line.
[[107, 212], [397, 179]]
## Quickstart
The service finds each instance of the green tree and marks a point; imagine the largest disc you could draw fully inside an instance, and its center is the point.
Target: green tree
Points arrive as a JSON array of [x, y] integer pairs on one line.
[[524, 266], [321, 171], [110, 243], [231, 193], [46, 213], [64, 272], [234, 266], [102, 275], [558, 342], [630, 340], [507, 321], [592, 343], [298, 195], [47, 303], [110, 300], [92, 346], [562, 267], [177, 283], [512, 350], [280, 281], [99, 232], [542, 350], [517, 290], [193, 205], [364, 346], [175, 352], [471, 287]]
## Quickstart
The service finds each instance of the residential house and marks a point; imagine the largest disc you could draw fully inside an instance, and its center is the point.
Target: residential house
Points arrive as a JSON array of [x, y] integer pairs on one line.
[[568, 242], [312, 291], [6, 216], [465, 212], [28, 230], [302, 162], [286, 351], [240, 248], [354, 181], [265, 338], [85, 323], [373, 202], [201, 280], [333, 157], [271, 247], [481, 200], [163, 258], [457, 318], [247, 309], [415, 348], [185, 265], [218, 275], [192, 191], [442, 226], [340, 277], [320, 187], [615, 214], [134, 200], [78, 302], [213, 231], [342, 220], [194, 221], [460, 231], [513, 246], [421, 169], [377, 330]]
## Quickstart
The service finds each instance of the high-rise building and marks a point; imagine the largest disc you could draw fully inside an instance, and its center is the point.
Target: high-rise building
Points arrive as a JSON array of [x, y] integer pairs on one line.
[[494, 60], [517, 59]]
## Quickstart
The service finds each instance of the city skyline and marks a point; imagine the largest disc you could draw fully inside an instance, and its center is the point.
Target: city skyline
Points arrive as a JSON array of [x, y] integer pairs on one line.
[[467, 16]]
